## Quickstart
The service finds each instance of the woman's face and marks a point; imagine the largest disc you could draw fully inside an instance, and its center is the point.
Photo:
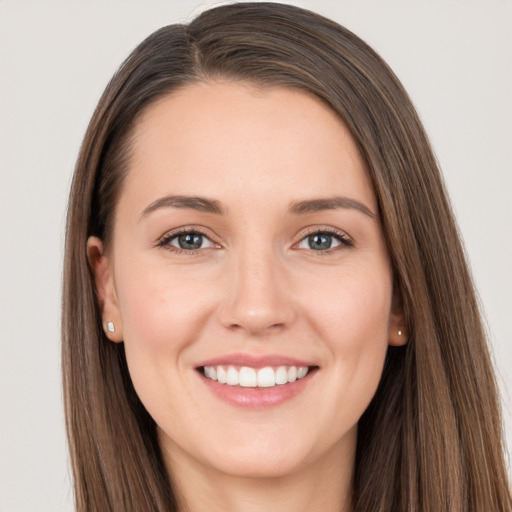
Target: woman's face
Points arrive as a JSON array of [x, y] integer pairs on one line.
[[247, 242]]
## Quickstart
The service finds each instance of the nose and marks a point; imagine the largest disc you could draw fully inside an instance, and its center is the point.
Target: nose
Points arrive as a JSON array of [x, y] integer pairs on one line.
[[258, 300]]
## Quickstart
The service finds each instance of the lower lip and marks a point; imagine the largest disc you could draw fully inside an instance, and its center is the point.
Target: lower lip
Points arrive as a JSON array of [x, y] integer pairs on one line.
[[258, 398]]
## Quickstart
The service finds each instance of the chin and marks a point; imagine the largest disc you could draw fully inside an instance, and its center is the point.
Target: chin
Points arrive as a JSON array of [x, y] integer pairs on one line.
[[262, 456], [260, 465]]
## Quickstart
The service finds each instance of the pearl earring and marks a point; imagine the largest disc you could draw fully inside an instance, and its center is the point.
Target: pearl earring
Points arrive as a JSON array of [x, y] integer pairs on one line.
[[399, 333], [110, 327]]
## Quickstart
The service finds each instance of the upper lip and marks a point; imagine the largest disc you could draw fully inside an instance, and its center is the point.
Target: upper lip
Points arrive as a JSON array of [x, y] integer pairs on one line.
[[254, 360]]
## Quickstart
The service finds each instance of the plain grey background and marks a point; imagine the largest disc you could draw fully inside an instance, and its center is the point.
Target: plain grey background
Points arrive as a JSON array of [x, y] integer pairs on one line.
[[454, 58]]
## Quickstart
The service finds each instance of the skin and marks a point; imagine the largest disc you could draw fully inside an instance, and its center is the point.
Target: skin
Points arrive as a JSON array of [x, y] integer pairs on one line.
[[256, 286]]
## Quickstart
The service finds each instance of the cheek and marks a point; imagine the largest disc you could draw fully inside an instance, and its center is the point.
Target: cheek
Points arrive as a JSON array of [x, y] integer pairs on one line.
[[351, 308], [159, 308], [352, 319], [162, 315]]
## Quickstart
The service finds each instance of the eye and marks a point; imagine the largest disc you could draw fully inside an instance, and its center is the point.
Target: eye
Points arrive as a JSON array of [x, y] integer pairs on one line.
[[324, 240], [187, 241]]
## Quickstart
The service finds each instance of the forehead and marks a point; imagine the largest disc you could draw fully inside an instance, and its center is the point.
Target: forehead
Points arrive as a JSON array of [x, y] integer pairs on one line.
[[227, 139]]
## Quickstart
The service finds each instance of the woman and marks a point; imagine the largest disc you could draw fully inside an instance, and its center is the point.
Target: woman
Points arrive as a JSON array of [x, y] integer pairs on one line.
[[266, 303]]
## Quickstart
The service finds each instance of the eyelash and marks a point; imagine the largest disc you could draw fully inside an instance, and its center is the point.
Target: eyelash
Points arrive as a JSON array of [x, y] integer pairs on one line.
[[345, 241], [165, 241], [343, 238]]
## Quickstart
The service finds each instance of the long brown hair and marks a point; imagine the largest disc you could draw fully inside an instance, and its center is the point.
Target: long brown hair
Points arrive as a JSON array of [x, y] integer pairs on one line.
[[431, 439]]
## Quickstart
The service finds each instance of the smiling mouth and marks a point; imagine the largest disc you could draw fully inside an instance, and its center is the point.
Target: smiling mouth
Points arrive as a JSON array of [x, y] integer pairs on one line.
[[247, 377]]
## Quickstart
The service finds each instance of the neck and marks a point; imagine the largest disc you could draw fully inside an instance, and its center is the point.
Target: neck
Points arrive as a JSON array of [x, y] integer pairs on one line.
[[323, 485]]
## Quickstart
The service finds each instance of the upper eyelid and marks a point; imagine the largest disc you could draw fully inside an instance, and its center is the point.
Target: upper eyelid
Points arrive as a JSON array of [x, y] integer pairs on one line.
[[164, 242], [169, 235], [345, 240], [324, 229]]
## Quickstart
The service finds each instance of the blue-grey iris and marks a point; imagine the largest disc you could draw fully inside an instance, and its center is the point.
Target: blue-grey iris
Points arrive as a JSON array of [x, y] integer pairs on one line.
[[320, 241], [190, 241]]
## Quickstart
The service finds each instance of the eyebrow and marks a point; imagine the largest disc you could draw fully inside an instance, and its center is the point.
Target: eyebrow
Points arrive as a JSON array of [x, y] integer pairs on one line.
[[329, 203], [201, 204], [305, 207]]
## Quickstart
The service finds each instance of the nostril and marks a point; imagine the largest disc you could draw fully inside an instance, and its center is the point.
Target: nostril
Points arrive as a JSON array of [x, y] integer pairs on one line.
[[257, 307], [256, 327]]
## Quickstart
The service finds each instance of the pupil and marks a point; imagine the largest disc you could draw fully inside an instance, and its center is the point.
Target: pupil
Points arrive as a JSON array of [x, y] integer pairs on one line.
[[190, 241], [320, 242]]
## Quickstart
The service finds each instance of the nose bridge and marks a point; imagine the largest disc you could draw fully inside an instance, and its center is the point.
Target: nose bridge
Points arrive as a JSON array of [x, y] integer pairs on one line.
[[258, 299]]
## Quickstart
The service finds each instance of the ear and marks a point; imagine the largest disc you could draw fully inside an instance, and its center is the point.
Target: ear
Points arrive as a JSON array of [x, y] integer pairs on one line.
[[105, 287], [398, 332]]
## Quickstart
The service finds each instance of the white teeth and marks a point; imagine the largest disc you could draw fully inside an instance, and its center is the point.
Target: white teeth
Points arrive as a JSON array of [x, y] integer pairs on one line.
[[210, 372], [281, 375], [247, 377], [222, 376], [266, 377], [232, 378], [302, 371], [250, 377]]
